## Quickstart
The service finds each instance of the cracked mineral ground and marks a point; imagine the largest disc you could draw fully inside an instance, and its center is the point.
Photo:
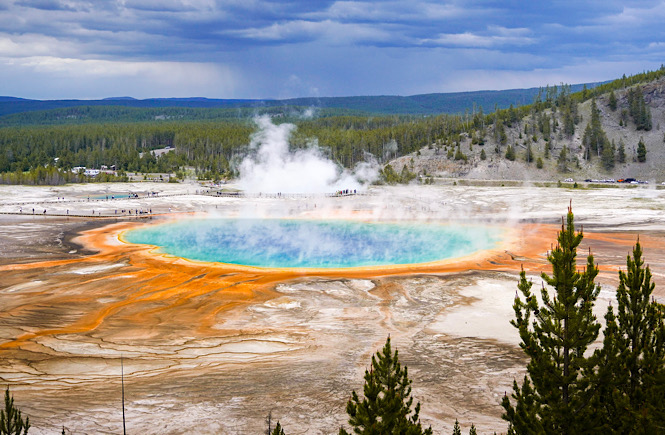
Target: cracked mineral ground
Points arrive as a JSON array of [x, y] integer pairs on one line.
[[212, 348]]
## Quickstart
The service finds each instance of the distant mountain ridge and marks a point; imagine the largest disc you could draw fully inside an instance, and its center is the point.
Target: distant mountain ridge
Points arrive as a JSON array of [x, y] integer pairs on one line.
[[119, 99], [11, 99], [423, 104]]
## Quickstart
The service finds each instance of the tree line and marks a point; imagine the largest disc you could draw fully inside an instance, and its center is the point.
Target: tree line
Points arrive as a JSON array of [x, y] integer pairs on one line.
[[212, 148]]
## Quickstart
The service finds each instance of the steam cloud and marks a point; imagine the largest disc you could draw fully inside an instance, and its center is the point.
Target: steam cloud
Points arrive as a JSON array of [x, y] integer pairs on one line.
[[273, 168]]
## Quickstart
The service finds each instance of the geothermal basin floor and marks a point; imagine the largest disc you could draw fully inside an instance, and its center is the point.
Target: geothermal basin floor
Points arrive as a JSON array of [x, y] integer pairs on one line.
[[213, 349]]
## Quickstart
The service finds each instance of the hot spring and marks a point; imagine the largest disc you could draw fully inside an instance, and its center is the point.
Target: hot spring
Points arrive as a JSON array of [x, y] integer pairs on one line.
[[286, 243]]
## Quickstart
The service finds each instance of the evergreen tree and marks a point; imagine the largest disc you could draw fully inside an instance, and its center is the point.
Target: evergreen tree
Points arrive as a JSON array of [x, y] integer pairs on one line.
[[278, 430], [586, 141], [607, 157], [473, 431], [632, 359], [510, 153], [544, 126], [609, 402], [388, 174], [594, 139], [500, 133], [638, 109], [641, 151], [555, 334], [456, 428], [512, 115], [406, 175], [613, 101], [539, 163], [386, 407], [483, 155], [529, 154], [568, 123], [11, 422], [481, 137], [459, 155], [645, 116], [562, 162], [621, 152]]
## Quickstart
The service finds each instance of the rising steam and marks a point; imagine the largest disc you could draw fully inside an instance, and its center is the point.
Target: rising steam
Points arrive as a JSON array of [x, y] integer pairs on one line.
[[273, 168]]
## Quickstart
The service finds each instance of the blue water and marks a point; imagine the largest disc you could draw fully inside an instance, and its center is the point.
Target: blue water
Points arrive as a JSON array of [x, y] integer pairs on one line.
[[314, 243], [114, 195]]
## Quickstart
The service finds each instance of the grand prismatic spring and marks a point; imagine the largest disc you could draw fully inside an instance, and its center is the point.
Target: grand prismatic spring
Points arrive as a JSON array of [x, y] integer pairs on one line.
[[215, 346], [314, 244]]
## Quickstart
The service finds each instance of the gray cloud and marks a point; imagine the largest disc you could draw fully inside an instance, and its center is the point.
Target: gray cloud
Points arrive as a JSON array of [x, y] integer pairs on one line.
[[159, 6], [46, 5], [296, 47]]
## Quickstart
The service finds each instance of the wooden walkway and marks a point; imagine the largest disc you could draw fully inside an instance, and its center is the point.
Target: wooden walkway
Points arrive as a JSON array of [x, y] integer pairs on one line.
[[86, 216]]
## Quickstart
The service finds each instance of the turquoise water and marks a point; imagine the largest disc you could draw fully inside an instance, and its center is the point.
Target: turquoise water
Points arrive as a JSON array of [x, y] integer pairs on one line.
[[114, 195], [314, 243]]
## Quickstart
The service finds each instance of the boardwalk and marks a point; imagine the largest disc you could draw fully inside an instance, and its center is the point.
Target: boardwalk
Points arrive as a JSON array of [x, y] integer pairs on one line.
[[145, 205]]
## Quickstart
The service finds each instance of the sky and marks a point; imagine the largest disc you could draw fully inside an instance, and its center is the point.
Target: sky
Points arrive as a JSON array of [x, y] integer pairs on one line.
[[89, 49]]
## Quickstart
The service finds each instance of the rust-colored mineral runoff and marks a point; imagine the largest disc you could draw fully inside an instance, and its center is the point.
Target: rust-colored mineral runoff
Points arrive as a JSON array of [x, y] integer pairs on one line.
[[213, 348]]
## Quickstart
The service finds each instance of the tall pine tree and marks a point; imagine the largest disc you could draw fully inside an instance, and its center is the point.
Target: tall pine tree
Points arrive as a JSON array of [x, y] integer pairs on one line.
[[562, 161], [555, 334], [621, 152], [639, 111], [613, 101], [641, 151], [529, 153], [386, 407], [632, 360], [457, 430], [11, 422], [594, 139], [278, 430], [607, 156]]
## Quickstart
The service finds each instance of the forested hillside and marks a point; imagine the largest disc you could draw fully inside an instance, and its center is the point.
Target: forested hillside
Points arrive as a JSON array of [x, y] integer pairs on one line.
[[611, 129], [610, 132], [119, 114], [210, 147]]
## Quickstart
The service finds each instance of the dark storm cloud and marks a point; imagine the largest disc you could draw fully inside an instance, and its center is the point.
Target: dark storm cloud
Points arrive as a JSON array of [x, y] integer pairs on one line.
[[158, 6], [46, 5], [340, 47]]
